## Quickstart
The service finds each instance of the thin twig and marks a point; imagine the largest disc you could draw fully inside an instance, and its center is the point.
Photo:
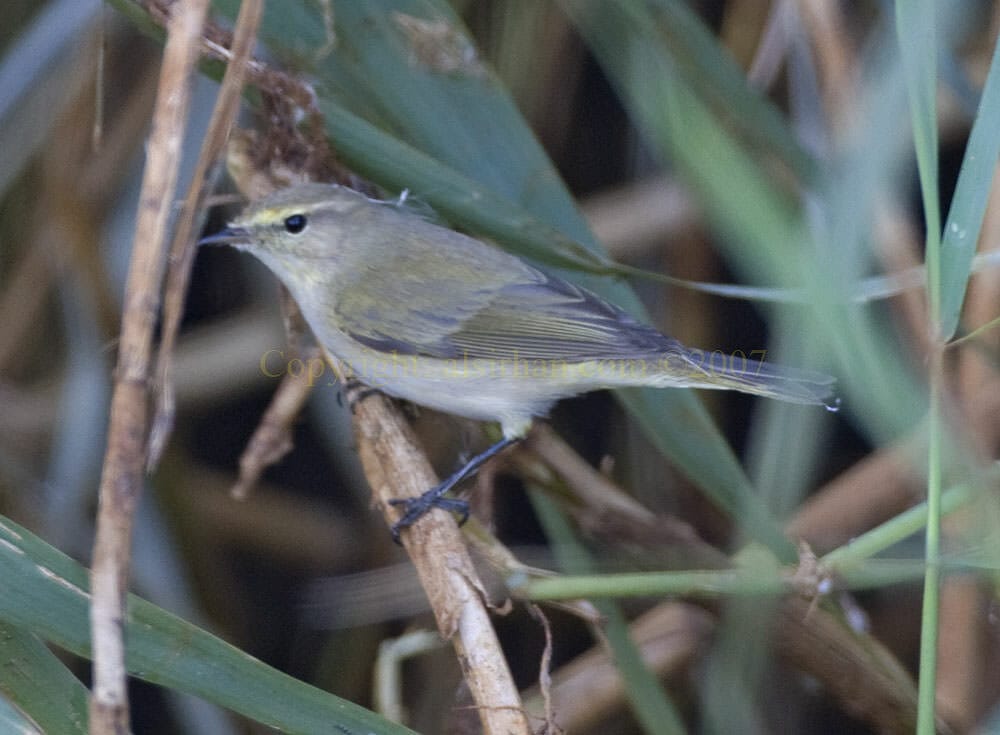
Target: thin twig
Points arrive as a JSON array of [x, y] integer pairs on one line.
[[124, 461], [588, 690], [182, 250], [551, 727], [272, 439]]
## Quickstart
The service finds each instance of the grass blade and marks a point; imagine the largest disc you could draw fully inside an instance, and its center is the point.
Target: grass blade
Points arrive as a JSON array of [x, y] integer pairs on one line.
[[968, 206], [917, 31], [40, 685], [47, 594]]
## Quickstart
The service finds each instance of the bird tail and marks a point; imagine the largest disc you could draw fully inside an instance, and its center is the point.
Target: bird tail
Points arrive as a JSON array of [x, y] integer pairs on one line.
[[795, 385]]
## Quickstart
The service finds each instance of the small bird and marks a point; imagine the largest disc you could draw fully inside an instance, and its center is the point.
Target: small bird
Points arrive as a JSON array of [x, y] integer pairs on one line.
[[441, 319]]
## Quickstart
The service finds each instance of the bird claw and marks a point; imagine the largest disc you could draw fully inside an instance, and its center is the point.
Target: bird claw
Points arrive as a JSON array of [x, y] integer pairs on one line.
[[416, 508]]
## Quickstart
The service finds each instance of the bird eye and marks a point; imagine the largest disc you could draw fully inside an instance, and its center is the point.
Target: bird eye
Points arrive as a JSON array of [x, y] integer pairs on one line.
[[295, 223]]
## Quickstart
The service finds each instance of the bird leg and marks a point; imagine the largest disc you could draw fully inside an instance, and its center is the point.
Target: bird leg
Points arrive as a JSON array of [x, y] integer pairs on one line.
[[416, 508]]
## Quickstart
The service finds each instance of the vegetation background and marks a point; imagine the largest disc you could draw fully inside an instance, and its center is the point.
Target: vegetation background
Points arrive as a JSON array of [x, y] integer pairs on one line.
[[833, 161]]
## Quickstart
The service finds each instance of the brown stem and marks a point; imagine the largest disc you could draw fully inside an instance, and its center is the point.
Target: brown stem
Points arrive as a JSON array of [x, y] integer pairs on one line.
[[182, 249], [124, 460], [397, 467]]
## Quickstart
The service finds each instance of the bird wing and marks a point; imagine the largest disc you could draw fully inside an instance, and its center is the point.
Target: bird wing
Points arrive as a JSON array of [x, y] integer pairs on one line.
[[466, 308]]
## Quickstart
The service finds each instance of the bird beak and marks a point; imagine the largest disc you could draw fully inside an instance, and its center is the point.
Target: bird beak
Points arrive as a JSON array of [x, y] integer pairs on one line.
[[226, 236]]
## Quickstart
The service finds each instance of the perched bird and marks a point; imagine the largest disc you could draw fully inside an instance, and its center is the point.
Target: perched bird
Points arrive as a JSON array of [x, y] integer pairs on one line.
[[446, 321]]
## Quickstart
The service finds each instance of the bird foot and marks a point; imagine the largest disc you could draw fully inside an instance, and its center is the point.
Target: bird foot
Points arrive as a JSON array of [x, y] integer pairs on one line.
[[416, 508]]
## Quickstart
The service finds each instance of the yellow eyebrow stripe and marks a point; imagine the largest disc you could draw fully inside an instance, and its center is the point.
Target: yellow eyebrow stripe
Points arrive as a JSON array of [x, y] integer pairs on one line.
[[274, 214]]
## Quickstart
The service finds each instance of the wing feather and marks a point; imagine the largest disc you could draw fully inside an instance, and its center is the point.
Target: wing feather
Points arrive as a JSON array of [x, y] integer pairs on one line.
[[493, 310]]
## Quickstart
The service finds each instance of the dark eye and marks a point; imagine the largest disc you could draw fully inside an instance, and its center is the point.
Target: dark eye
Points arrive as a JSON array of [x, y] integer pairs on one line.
[[295, 223]]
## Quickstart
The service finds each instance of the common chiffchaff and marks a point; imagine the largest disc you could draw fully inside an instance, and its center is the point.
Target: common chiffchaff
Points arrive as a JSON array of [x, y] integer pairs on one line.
[[444, 320]]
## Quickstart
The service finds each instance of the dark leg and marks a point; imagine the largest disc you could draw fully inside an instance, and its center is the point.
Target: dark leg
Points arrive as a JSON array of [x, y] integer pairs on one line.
[[416, 508]]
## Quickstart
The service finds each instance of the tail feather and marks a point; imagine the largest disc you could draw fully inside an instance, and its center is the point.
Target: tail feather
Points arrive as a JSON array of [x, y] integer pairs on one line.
[[795, 385]]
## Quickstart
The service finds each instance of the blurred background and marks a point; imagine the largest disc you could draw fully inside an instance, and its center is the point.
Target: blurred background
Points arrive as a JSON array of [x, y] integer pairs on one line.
[[303, 574]]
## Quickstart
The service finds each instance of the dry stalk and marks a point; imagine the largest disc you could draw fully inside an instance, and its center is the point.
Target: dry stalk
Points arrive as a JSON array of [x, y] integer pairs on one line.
[[182, 250], [124, 461], [396, 467], [272, 439]]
